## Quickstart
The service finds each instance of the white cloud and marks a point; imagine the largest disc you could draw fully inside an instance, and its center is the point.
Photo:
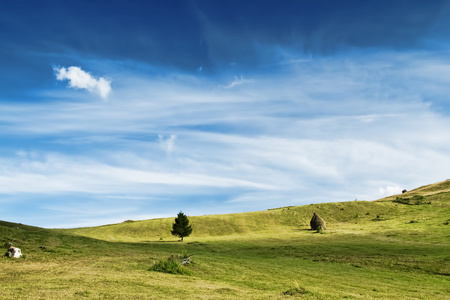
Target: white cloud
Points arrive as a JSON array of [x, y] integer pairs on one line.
[[390, 190], [80, 79]]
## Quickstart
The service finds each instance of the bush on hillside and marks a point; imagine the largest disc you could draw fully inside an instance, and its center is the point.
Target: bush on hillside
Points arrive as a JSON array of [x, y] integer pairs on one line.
[[415, 200], [297, 290], [171, 266], [379, 218]]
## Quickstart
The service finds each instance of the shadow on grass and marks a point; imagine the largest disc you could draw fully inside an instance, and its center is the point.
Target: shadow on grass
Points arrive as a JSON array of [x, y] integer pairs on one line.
[[162, 241]]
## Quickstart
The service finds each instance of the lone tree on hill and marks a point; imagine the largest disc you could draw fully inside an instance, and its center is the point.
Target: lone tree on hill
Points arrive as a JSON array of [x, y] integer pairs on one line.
[[181, 227]]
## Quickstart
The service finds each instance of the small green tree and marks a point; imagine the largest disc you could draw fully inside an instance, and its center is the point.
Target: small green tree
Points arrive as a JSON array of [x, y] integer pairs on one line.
[[181, 227]]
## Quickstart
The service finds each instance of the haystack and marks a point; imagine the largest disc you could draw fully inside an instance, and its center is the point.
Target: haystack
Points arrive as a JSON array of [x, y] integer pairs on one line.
[[317, 223]]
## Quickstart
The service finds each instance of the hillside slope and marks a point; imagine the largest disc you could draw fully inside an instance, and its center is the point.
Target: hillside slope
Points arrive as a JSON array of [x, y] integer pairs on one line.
[[371, 250], [426, 190], [340, 216]]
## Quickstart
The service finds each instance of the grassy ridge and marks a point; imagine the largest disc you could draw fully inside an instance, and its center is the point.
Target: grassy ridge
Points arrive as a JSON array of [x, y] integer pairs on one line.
[[426, 190], [369, 216], [244, 223], [371, 250]]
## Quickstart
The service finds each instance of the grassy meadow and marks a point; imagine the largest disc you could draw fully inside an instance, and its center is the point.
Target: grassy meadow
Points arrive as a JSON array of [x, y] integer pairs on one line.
[[385, 249]]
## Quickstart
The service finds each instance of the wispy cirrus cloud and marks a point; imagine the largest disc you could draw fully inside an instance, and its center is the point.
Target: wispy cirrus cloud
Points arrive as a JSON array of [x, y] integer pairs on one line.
[[332, 129], [167, 144], [236, 82], [80, 79]]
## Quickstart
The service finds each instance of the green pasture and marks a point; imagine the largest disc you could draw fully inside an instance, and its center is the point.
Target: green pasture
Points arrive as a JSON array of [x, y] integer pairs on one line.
[[370, 250]]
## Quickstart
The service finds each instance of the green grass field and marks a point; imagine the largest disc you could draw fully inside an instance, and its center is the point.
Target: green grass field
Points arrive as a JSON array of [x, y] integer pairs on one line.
[[371, 250]]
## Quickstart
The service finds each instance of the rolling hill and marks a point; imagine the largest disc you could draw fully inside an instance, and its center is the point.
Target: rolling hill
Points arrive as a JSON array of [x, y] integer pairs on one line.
[[395, 247], [339, 215]]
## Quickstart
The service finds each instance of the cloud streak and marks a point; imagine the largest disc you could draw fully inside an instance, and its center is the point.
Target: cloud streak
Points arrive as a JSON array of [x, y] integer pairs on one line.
[[236, 82], [167, 144], [331, 129], [79, 79]]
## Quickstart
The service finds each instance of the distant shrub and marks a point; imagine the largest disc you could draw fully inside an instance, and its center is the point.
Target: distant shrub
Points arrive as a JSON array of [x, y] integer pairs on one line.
[[297, 290], [402, 200], [415, 200], [171, 266], [378, 218]]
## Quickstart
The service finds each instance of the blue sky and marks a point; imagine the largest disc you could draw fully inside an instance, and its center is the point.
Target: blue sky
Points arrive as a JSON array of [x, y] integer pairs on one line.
[[117, 110]]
